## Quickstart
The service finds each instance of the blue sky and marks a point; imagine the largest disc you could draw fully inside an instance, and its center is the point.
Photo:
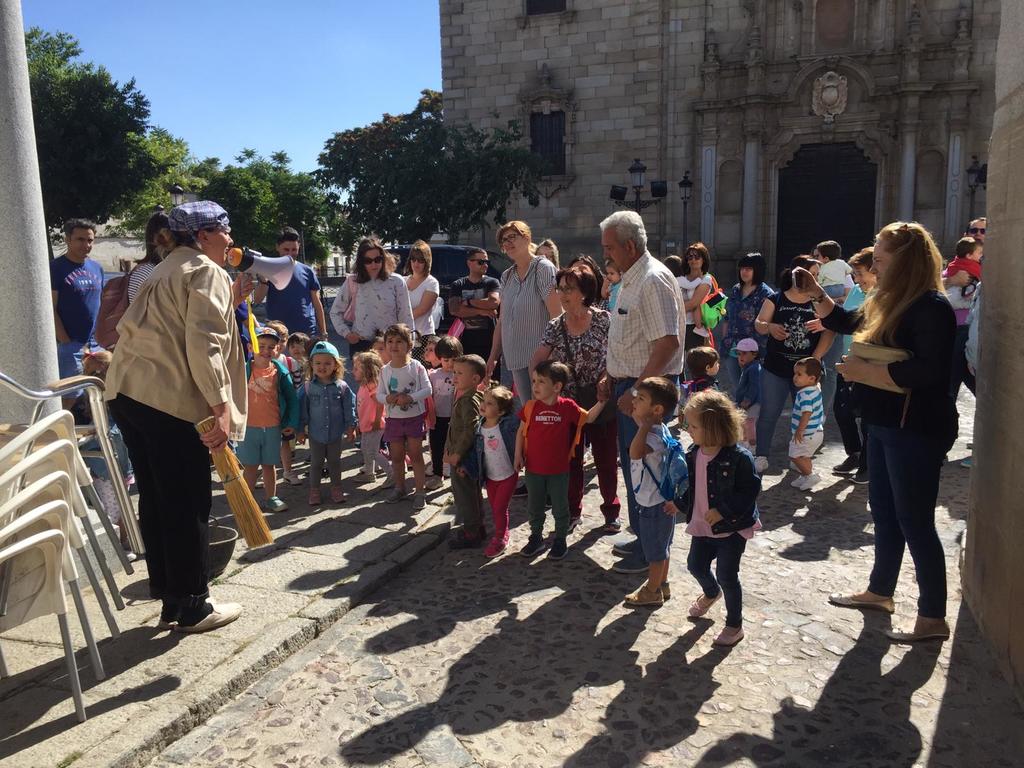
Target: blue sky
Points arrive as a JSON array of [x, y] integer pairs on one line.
[[266, 74]]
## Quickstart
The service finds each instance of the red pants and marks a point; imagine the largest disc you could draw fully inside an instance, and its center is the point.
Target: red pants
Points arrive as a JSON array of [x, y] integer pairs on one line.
[[603, 440], [499, 494]]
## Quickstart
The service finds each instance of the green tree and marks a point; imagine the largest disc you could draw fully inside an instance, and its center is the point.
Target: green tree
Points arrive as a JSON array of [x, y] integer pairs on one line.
[[91, 132], [181, 168], [262, 196], [409, 176]]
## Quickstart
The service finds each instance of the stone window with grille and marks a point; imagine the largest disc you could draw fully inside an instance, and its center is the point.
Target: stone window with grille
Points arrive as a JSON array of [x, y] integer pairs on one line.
[[538, 7], [547, 139]]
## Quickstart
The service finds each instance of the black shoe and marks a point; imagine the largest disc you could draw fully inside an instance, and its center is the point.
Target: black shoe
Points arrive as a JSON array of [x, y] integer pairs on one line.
[[861, 477], [558, 549], [849, 465], [534, 546], [461, 542]]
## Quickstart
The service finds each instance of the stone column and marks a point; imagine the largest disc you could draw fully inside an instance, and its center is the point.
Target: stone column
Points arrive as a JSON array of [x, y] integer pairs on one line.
[[751, 175], [908, 172], [28, 352], [708, 177], [954, 223], [994, 569]]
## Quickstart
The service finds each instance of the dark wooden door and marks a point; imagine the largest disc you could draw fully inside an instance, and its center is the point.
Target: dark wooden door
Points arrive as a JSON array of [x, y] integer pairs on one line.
[[827, 192]]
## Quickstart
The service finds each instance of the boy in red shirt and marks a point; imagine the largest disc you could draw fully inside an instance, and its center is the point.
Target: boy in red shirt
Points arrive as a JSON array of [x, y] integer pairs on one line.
[[551, 428]]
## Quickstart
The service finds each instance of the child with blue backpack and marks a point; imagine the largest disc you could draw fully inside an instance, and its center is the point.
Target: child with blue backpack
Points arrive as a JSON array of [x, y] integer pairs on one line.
[[657, 469], [720, 506]]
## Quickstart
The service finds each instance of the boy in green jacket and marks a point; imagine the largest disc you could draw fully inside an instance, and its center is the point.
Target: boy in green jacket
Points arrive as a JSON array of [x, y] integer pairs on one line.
[[468, 372]]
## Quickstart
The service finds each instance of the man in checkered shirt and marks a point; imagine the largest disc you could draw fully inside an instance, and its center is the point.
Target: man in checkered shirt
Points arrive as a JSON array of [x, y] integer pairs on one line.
[[645, 339]]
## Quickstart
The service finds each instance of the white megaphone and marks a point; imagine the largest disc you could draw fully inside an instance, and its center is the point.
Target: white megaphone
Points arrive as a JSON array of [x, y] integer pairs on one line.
[[277, 270]]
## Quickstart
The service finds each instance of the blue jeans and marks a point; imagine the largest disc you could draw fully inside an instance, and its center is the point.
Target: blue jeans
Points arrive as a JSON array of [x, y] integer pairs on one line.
[[731, 369], [728, 551], [828, 380], [775, 390], [523, 385], [903, 473]]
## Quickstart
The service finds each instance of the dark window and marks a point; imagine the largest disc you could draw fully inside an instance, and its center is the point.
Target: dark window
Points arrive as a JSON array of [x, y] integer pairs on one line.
[[547, 139], [535, 7]]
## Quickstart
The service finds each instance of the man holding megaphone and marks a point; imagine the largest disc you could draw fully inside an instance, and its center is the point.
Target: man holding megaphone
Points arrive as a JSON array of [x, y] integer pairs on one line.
[[296, 303]]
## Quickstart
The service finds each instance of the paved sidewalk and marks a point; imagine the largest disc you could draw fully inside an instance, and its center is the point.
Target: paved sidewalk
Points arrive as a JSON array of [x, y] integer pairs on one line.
[[160, 685], [465, 662]]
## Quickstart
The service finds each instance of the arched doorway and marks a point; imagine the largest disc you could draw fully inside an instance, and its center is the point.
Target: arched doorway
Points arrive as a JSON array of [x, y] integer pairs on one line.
[[827, 192]]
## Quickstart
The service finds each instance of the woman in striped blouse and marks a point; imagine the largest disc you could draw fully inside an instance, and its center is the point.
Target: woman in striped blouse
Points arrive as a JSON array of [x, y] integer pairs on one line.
[[528, 302]]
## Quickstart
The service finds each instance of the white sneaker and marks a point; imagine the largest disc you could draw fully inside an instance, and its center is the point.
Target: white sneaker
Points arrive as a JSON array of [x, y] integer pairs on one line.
[[798, 483], [760, 464], [810, 481]]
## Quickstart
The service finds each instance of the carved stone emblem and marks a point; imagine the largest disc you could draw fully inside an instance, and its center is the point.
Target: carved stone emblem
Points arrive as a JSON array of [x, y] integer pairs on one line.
[[829, 96]]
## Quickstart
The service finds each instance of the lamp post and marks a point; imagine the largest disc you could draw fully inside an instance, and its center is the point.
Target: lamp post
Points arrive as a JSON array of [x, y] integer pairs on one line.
[[177, 195], [637, 178], [977, 176], [685, 192]]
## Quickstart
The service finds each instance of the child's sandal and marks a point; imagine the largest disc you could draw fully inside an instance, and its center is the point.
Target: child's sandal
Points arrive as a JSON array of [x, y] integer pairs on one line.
[[702, 605]]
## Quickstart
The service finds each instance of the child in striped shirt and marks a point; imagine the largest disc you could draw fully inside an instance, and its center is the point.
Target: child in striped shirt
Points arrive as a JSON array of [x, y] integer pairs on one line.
[[808, 422]]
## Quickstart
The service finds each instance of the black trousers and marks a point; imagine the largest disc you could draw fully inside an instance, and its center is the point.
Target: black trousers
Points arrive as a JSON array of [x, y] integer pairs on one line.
[[172, 469], [438, 436], [846, 411]]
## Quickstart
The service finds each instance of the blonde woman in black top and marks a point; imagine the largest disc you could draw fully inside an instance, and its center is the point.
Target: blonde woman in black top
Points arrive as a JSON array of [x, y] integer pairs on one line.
[[909, 431]]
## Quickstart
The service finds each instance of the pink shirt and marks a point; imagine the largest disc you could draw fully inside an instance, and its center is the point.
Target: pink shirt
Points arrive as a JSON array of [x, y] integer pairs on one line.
[[366, 408], [698, 526]]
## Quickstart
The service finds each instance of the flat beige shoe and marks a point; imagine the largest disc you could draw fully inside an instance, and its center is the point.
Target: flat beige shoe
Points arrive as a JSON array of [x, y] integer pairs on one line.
[[728, 637], [702, 605], [852, 601], [223, 613]]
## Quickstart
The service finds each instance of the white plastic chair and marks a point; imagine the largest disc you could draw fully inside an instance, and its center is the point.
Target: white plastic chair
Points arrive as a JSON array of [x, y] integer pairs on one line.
[[59, 454], [61, 426], [58, 486], [93, 388], [41, 594]]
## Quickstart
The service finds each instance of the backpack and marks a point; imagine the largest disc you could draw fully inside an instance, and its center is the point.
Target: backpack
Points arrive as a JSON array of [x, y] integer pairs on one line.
[[675, 477], [712, 311], [113, 304]]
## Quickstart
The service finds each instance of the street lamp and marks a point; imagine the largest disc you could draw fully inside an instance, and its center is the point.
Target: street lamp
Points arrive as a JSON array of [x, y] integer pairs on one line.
[[685, 193], [637, 177], [977, 176], [177, 195]]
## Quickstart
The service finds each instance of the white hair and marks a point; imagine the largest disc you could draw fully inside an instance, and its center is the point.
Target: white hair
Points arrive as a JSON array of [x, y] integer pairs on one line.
[[629, 228]]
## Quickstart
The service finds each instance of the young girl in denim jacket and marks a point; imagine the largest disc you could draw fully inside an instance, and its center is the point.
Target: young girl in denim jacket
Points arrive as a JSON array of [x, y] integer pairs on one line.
[[328, 414], [491, 460], [721, 506]]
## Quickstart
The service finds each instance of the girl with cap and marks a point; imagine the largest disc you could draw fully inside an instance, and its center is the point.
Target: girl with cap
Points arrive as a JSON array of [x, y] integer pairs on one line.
[[180, 331], [327, 414]]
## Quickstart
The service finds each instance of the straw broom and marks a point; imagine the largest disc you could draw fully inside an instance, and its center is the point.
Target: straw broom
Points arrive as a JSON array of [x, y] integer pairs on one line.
[[247, 512]]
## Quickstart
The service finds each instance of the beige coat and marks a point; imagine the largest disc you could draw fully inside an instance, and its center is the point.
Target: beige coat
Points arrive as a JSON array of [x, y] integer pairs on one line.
[[179, 349]]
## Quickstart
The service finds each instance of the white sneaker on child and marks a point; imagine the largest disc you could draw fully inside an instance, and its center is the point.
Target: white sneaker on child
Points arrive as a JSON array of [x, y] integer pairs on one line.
[[810, 481], [760, 464]]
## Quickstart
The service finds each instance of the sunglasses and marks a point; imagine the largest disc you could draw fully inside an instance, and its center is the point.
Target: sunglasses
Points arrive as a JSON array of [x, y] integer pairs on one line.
[[374, 260], [694, 256], [481, 261], [976, 230]]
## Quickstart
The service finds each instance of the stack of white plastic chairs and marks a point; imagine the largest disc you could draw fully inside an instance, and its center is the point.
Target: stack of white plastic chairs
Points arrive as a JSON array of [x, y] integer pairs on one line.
[[44, 523]]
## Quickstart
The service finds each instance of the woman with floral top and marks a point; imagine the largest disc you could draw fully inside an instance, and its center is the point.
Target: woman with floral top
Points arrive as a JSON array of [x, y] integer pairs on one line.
[[741, 310], [375, 300], [579, 337]]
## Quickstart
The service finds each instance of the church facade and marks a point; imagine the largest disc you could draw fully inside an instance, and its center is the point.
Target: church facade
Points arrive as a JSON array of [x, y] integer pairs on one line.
[[795, 120]]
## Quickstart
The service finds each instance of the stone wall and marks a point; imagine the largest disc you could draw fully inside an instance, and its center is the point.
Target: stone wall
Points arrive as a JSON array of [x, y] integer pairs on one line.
[[686, 85], [993, 579]]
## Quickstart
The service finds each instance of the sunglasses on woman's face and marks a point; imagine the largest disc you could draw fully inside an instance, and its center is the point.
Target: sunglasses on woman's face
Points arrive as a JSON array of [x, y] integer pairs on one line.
[[481, 261], [694, 257], [373, 260], [976, 230]]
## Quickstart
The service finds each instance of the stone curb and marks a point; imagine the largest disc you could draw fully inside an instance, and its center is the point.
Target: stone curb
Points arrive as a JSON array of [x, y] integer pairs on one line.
[[314, 621]]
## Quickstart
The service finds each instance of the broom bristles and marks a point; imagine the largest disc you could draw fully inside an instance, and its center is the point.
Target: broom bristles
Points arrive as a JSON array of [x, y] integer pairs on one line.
[[248, 515]]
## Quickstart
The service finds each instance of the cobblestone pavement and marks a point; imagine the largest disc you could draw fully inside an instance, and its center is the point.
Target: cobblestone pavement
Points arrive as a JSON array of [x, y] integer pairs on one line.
[[461, 662]]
